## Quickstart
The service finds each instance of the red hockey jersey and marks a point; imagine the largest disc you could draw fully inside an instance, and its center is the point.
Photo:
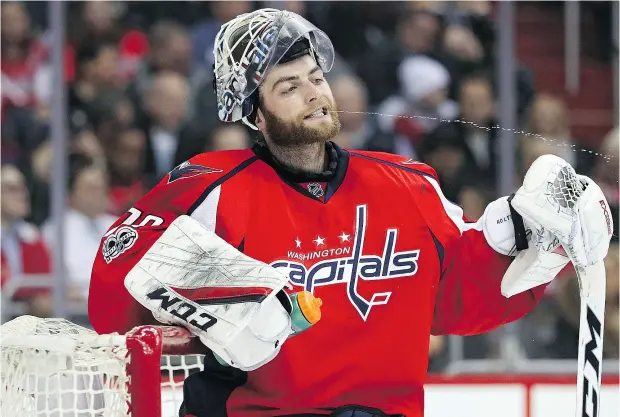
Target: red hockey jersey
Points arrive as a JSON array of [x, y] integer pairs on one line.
[[373, 237]]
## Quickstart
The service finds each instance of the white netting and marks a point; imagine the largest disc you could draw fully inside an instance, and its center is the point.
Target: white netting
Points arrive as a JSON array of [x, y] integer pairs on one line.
[[55, 368], [174, 371], [566, 188]]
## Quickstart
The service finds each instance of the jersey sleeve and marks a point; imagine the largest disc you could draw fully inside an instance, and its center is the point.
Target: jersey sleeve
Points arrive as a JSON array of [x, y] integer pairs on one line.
[[110, 306], [469, 299]]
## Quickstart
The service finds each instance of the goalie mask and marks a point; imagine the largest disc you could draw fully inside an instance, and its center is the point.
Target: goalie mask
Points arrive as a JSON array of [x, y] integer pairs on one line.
[[249, 46]]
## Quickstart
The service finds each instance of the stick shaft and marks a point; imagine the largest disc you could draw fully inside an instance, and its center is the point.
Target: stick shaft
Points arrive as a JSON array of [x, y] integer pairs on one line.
[[591, 326]]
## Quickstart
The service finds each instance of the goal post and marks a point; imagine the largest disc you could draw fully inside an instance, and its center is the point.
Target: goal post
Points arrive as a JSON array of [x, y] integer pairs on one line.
[[55, 368], [144, 347]]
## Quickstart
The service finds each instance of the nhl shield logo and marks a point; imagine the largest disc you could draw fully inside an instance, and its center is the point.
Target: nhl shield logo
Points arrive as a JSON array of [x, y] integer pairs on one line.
[[316, 189]]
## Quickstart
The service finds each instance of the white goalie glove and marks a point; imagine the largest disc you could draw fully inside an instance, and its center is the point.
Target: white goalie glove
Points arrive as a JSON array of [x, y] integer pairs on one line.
[[233, 303], [570, 206], [570, 219]]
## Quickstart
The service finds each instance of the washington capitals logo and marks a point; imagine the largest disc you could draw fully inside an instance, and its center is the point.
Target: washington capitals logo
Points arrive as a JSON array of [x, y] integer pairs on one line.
[[350, 270], [188, 170]]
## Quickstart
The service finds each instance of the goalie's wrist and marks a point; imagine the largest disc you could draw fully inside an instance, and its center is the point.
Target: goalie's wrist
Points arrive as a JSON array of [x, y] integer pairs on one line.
[[500, 228]]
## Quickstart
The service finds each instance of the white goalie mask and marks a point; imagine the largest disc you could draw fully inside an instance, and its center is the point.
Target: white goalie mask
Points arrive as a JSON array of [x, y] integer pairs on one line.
[[260, 41]]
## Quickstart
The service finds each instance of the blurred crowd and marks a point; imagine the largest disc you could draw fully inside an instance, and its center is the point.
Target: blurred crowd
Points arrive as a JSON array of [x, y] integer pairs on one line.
[[140, 101]]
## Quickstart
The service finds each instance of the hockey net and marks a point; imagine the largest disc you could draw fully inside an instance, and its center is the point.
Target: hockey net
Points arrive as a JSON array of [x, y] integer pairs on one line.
[[55, 368]]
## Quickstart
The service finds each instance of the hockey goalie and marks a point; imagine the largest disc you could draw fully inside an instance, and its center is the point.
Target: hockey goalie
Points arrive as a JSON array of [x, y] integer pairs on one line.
[[314, 275]]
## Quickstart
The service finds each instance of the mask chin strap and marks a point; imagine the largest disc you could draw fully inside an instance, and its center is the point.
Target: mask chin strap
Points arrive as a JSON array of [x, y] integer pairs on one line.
[[252, 104], [246, 122]]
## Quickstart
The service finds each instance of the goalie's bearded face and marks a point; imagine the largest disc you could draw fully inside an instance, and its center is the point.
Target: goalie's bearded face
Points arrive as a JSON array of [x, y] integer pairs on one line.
[[296, 105]]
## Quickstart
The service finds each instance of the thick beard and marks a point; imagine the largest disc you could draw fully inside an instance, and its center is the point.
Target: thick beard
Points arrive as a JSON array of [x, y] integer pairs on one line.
[[287, 134]]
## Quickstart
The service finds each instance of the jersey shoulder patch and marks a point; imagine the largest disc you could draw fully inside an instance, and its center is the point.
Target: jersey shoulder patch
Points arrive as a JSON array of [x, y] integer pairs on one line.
[[188, 169], [210, 164]]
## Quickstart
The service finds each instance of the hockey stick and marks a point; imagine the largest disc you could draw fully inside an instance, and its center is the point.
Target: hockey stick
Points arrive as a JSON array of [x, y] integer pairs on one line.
[[575, 210], [592, 283]]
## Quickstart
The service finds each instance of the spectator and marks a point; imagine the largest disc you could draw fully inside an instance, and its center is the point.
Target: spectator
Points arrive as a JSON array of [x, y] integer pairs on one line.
[[463, 55], [470, 29], [22, 132], [86, 221], [125, 156], [419, 31], [98, 22], [25, 66], [171, 51], [464, 151], [358, 128], [115, 111], [462, 43], [419, 107], [84, 142], [171, 48], [417, 34], [26, 86], [606, 174], [97, 73], [443, 149], [477, 16], [477, 105], [23, 250], [39, 182], [471, 132], [548, 120], [165, 105]]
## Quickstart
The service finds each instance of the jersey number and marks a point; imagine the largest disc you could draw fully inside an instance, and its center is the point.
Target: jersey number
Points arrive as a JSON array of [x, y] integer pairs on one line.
[[135, 215], [137, 219]]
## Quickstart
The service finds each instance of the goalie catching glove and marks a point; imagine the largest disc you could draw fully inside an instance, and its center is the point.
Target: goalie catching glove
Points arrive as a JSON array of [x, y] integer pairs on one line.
[[235, 304], [566, 218], [572, 207]]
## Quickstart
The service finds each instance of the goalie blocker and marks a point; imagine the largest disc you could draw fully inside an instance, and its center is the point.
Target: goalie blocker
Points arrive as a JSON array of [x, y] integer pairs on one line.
[[235, 304]]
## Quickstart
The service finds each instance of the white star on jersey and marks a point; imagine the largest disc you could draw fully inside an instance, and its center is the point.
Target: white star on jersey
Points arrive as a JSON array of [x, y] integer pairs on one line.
[[345, 237], [298, 242], [319, 241]]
